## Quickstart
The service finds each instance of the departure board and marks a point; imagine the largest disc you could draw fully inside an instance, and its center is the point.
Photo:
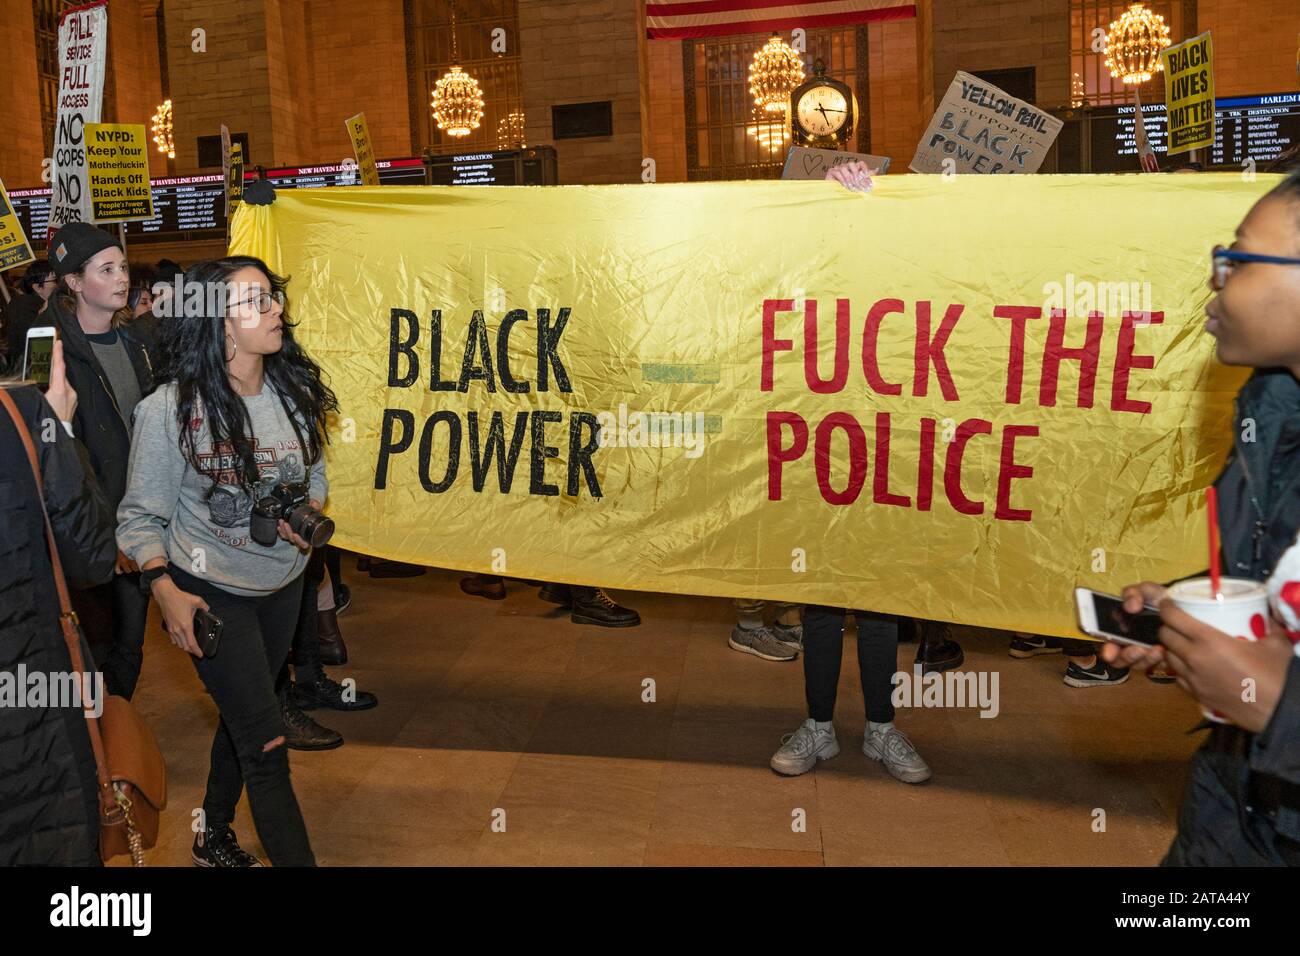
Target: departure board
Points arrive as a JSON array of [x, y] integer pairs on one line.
[[1245, 127]]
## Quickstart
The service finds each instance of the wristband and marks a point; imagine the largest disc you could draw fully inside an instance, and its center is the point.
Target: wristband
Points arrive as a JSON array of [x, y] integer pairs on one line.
[[147, 578]]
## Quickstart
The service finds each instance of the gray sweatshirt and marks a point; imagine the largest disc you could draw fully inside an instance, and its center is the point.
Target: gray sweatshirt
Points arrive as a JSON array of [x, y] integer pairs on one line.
[[165, 513]]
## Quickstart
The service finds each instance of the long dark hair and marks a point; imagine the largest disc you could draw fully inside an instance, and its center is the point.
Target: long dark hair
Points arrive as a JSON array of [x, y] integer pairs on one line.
[[195, 359]]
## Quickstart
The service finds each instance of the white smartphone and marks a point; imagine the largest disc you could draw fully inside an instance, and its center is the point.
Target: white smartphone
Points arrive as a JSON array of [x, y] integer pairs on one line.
[[1103, 616], [37, 353]]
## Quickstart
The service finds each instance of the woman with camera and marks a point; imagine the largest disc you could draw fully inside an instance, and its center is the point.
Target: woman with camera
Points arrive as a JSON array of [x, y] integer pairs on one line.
[[225, 485]]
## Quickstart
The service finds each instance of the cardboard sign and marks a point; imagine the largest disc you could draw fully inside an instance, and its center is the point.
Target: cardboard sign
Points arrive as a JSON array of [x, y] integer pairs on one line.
[[117, 172], [83, 40], [1189, 93], [361, 145], [15, 250], [978, 128], [804, 162]]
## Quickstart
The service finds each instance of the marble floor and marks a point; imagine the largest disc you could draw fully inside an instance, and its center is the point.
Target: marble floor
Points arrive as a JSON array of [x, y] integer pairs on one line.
[[506, 735]]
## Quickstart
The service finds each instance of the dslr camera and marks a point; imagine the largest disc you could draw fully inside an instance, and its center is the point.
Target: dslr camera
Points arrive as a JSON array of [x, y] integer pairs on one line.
[[288, 501]]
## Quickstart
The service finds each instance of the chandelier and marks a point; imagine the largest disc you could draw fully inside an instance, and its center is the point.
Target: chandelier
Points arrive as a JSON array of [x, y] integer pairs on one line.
[[769, 131], [457, 100], [776, 70], [1133, 44], [162, 129], [510, 131]]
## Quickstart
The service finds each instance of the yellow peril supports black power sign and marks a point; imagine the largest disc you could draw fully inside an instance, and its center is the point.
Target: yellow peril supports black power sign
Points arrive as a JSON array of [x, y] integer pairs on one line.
[[117, 161], [1189, 93]]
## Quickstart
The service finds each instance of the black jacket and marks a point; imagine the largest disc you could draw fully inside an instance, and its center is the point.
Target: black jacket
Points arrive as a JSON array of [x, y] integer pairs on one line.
[[48, 809], [1242, 804], [20, 315], [98, 422]]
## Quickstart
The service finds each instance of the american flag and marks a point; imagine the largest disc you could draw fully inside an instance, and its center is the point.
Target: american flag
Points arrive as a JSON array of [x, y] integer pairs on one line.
[[707, 18]]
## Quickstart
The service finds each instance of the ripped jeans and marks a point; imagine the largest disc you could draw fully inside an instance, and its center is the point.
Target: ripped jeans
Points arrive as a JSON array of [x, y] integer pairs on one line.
[[255, 639]]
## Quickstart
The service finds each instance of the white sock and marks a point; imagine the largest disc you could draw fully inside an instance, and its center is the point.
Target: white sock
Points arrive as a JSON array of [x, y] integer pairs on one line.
[[824, 725], [873, 727]]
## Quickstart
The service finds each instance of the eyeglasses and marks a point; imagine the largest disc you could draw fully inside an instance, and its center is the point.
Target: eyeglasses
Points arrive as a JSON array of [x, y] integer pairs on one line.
[[262, 301], [1223, 260]]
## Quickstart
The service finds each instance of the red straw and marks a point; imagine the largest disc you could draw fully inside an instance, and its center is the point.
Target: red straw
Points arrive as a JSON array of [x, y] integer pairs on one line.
[[1212, 519]]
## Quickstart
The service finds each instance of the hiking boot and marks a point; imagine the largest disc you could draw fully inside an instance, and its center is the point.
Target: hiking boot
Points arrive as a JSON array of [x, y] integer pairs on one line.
[[303, 733]]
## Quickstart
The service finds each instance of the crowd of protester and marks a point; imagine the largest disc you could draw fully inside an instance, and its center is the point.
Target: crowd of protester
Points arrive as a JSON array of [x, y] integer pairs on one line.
[[155, 462]]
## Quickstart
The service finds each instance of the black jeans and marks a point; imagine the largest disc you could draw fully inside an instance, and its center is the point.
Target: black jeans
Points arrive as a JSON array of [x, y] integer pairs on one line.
[[113, 617], [823, 645], [241, 677]]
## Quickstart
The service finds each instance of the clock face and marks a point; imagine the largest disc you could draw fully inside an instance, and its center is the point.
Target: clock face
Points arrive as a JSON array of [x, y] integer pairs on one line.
[[822, 111]]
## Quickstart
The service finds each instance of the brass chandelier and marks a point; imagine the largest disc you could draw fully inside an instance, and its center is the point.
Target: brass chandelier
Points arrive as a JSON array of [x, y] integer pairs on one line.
[[1133, 44], [162, 129], [776, 70], [457, 100]]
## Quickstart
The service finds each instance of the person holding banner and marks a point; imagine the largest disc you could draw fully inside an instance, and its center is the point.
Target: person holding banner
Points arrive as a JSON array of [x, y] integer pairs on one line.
[[823, 641], [111, 371], [241, 416], [1242, 802]]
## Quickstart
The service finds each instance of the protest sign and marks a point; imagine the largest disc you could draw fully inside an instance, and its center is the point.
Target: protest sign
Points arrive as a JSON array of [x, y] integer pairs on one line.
[[117, 172], [83, 42], [361, 145], [980, 129], [806, 162], [904, 401], [234, 179], [15, 250], [1189, 93]]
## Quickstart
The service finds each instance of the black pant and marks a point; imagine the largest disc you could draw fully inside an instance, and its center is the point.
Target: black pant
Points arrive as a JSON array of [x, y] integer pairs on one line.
[[113, 617], [823, 645], [241, 676]]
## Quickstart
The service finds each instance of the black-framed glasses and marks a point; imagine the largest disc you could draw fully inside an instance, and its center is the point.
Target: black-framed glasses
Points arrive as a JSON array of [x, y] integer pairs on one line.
[[262, 301], [1223, 259]]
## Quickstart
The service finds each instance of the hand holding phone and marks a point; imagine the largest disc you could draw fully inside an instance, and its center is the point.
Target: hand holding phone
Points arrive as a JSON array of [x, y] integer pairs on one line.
[[37, 350], [207, 631], [60, 393], [1103, 616]]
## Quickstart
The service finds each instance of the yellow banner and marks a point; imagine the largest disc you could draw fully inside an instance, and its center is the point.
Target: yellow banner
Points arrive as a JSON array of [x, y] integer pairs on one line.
[[952, 399], [15, 250], [117, 164], [1189, 93]]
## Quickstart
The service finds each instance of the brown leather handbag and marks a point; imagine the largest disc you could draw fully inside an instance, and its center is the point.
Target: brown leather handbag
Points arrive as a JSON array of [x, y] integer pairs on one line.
[[128, 764]]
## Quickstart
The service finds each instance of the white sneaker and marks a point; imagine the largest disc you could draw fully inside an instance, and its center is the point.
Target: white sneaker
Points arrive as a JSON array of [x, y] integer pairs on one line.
[[892, 748], [801, 750]]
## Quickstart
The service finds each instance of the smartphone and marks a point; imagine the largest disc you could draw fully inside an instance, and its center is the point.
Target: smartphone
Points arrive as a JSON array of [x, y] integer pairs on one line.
[[207, 632], [37, 353], [1103, 616]]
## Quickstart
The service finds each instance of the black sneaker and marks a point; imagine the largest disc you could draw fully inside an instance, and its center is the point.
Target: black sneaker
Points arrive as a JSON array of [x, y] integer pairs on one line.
[[216, 846], [1099, 674], [303, 733], [941, 655], [560, 594], [329, 693], [342, 598], [600, 609], [1031, 645]]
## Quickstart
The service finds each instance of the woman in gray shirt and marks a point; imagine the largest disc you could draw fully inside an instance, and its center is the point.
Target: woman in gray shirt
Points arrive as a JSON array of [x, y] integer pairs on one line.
[[242, 413]]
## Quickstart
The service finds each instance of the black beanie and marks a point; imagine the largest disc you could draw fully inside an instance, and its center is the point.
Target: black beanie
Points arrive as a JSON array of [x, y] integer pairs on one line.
[[76, 242]]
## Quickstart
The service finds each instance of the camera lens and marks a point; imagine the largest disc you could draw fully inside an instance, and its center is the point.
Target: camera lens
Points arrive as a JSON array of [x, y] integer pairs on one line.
[[312, 526]]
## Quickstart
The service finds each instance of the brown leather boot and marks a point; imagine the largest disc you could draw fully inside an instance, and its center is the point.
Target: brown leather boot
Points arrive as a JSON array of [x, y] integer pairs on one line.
[[332, 648]]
